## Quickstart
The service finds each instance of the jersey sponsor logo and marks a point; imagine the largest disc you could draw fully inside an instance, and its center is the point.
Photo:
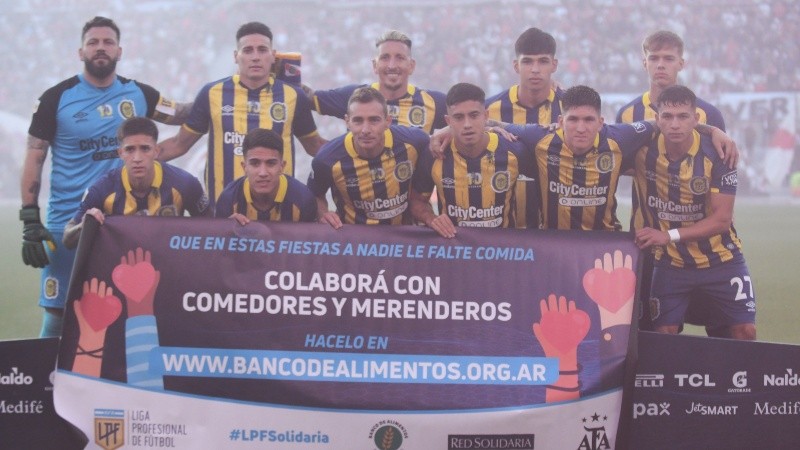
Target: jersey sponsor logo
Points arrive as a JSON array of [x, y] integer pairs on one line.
[[580, 196], [675, 212], [383, 208], [474, 213], [501, 181], [730, 179], [605, 162], [126, 108], [103, 142], [105, 110], [102, 156], [278, 112], [698, 185], [416, 116], [235, 138], [403, 171]]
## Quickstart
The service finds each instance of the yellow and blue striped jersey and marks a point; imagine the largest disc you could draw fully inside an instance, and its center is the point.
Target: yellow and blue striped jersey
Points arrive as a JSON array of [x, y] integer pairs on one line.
[[227, 111], [578, 191], [677, 193], [476, 192], [505, 107], [294, 202], [419, 108], [173, 190], [370, 191]]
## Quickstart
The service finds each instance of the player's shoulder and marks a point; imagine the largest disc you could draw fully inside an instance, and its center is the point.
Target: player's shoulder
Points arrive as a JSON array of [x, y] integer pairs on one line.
[[432, 92], [412, 135], [331, 151], [500, 96], [55, 91]]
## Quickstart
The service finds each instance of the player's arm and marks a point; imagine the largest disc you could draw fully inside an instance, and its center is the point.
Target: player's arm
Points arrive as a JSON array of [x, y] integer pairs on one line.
[[34, 234], [31, 181], [716, 222], [177, 145], [72, 232], [723, 144], [422, 211], [325, 215], [312, 143], [181, 114]]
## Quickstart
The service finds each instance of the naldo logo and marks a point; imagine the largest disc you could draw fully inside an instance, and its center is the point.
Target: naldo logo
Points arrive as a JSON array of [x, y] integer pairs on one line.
[[15, 378]]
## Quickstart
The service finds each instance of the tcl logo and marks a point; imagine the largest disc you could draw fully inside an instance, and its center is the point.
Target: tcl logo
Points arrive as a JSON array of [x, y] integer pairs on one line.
[[694, 380]]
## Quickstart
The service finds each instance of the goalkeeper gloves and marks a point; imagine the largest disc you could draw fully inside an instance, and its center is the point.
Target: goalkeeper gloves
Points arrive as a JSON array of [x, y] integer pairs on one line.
[[34, 235]]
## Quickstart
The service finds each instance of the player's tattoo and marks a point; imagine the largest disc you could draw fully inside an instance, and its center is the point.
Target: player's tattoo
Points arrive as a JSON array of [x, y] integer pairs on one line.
[[181, 113]]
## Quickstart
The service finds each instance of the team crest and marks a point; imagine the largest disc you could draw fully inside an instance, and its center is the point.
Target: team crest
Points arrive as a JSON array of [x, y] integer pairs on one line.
[[167, 211], [378, 175], [501, 181], [278, 112], [109, 429], [605, 162], [126, 109], [105, 110], [403, 171], [50, 287], [253, 107], [416, 116], [698, 185]]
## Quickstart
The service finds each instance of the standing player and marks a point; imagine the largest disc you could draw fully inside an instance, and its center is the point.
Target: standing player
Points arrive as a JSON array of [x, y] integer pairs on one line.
[[475, 180], [78, 118], [407, 104], [142, 186], [265, 193], [369, 169], [227, 109], [687, 194], [533, 100], [662, 57]]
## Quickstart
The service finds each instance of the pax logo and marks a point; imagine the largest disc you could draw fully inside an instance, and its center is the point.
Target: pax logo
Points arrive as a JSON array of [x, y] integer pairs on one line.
[[650, 409], [694, 380]]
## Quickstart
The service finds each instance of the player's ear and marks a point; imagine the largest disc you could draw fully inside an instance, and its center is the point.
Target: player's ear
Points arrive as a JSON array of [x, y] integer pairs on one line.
[[119, 57], [413, 66], [555, 64]]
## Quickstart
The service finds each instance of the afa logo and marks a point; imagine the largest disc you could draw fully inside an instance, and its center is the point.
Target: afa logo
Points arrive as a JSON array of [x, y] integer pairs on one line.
[[501, 181], [403, 171], [698, 185], [109, 428], [605, 163], [388, 435], [105, 110], [416, 116], [253, 107], [278, 112], [595, 437], [126, 108]]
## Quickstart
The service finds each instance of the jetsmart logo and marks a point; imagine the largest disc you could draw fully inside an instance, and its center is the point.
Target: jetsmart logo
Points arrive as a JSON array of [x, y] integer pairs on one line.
[[15, 377], [790, 378]]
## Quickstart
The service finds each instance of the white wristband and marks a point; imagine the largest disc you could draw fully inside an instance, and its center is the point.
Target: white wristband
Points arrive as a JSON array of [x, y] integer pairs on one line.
[[674, 235]]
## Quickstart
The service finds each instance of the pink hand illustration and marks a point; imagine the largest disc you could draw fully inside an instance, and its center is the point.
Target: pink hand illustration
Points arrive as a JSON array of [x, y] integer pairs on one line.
[[97, 308], [612, 285], [136, 277], [560, 330]]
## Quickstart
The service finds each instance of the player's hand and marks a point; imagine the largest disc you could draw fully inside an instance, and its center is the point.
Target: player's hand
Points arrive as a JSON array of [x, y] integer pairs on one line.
[[439, 142], [726, 148], [444, 226], [239, 218], [34, 236], [648, 237], [332, 219]]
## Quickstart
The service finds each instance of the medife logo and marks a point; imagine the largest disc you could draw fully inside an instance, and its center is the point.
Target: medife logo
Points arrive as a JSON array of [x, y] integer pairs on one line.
[[15, 378]]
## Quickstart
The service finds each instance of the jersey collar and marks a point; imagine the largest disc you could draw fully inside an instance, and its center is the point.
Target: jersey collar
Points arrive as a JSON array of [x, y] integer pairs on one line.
[[350, 147], [157, 179], [283, 186]]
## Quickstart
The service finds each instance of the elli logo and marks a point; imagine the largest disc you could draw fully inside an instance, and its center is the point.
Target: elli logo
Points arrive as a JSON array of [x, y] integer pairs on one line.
[[109, 428]]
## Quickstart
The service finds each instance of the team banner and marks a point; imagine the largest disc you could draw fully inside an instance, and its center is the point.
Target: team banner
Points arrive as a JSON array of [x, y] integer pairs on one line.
[[203, 333]]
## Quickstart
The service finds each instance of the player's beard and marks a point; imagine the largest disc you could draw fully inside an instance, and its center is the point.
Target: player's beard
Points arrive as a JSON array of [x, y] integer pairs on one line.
[[100, 71]]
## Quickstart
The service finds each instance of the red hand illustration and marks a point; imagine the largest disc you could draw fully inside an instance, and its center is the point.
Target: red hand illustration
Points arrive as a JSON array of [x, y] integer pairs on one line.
[[136, 277], [612, 285], [97, 308], [562, 326]]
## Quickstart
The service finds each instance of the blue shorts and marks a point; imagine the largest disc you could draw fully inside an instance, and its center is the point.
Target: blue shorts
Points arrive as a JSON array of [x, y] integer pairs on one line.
[[722, 295], [55, 276]]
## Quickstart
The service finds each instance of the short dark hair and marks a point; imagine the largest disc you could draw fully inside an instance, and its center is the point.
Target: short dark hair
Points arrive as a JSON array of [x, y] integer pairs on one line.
[[253, 28], [534, 41], [463, 92], [660, 39], [580, 96], [97, 22], [677, 95], [367, 94], [135, 126], [262, 137]]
